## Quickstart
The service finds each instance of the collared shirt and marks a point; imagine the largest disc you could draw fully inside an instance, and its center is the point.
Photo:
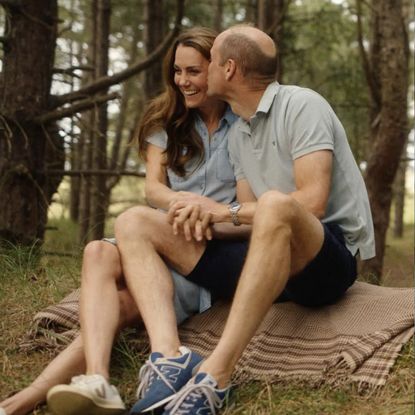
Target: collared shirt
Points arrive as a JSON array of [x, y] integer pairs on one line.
[[214, 177], [291, 122]]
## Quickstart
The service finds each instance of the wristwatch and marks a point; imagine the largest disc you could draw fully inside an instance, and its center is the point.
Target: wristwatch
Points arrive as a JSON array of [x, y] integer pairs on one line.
[[234, 209]]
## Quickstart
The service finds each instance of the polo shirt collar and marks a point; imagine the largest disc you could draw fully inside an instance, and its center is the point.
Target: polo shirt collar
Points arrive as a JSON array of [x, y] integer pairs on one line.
[[267, 98]]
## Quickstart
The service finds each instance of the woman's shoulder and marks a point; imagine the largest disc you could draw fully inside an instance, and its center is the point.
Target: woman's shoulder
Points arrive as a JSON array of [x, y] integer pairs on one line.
[[158, 138]]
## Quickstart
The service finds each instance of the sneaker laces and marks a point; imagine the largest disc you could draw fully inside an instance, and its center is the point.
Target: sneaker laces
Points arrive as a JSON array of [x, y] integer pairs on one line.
[[83, 380], [192, 392], [146, 377]]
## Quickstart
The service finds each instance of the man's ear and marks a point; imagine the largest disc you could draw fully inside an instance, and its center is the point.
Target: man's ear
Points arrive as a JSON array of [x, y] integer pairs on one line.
[[230, 69]]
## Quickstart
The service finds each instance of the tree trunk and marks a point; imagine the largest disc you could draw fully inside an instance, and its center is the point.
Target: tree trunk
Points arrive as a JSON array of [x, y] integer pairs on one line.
[[153, 35], [99, 145], [389, 125], [218, 19], [271, 16], [399, 199], [75, 154], [85, 187], [118, 162], [87, 136], [27, 148], [29, 143]]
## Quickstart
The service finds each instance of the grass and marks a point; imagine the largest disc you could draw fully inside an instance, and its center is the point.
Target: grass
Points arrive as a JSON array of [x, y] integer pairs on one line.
[[28, 284]]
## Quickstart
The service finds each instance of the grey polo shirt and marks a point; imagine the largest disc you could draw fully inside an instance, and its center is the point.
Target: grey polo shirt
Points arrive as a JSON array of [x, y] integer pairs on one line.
[[214, 177], [291, 122]]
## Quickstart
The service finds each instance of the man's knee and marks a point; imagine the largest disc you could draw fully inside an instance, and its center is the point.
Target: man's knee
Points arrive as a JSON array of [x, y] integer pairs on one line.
[[276, 208]]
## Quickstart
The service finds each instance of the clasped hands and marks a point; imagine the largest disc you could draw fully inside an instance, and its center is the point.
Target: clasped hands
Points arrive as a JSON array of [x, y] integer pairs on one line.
[[192, 215]]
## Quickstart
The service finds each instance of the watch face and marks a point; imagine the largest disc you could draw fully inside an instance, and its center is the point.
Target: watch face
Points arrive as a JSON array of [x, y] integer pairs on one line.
[[234, 207]]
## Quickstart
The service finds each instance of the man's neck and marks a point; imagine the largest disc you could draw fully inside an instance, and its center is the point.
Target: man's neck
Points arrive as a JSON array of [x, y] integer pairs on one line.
[[245, 102]]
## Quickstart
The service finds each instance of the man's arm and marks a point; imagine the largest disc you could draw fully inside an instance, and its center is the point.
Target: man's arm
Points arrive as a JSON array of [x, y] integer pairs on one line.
[[195, 219], [224, 230], [312, 178], [312, 174]]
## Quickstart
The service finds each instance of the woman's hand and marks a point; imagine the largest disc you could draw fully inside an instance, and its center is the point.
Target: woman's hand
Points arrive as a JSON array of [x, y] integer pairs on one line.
[[187, 197], [193, 220]]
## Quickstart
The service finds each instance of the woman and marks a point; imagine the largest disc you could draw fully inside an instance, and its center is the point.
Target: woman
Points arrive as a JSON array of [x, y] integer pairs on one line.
[[182, 137]]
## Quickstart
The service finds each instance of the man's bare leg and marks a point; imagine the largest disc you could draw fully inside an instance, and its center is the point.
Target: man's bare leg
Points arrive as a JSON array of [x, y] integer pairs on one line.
[[144, 237], [285, 238]]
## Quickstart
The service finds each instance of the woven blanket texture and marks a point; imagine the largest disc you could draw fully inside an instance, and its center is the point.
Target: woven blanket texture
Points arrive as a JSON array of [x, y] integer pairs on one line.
[[355, 340]]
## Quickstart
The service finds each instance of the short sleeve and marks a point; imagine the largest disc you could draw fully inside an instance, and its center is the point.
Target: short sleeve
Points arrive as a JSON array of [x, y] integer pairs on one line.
[[233, 151], [309, 123], [158, 139]]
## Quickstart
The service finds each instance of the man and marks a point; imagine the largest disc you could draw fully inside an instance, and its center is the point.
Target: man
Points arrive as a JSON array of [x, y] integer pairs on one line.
[[311, 217]]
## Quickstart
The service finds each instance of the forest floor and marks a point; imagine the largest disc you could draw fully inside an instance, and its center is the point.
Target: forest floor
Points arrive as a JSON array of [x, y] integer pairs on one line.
[[27, 286]]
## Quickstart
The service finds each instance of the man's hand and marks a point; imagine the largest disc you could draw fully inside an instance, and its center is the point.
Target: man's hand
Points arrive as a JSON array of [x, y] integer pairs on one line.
[[193, 217]]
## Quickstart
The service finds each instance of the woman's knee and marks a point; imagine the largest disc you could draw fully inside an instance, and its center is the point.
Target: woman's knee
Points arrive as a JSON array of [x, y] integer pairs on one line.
[[101, 259], [99, 251], [134, 222]]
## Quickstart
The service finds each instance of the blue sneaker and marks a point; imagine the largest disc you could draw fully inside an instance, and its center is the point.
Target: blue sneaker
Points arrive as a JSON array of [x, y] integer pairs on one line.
[[161, 378], [199, 397]]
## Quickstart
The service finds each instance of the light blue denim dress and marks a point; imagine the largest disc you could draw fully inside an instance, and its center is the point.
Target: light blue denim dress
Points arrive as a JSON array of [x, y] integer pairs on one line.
[[213, 178]]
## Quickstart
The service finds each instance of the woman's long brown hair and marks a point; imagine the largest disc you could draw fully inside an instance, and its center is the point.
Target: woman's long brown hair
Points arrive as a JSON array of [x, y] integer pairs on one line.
[[168, 111]]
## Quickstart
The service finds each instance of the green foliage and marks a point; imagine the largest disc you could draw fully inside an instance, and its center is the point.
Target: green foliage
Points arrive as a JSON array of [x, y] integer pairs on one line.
[[320, 52], [18, 260]]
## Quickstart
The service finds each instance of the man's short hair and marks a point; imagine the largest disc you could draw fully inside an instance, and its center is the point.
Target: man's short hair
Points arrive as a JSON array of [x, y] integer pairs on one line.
[[253, 63]]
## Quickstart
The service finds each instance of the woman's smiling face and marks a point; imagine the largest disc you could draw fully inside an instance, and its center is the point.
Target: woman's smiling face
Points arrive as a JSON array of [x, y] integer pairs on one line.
[[190, 75]]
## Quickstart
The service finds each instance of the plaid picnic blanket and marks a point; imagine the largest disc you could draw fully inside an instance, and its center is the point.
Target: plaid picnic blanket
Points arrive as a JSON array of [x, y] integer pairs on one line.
[[356, 340]]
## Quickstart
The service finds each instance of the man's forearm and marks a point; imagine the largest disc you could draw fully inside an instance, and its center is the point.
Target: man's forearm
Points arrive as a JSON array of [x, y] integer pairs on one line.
[[245, 215], [230, 231]]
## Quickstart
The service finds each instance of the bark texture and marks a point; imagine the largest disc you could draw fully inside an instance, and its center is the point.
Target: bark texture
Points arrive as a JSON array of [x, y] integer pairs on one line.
[[387, 72], [27, 148]]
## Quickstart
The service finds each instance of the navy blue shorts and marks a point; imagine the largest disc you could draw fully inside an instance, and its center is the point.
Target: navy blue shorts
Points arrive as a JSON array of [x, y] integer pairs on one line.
[[323, 281], [220, 266], [327, 277]]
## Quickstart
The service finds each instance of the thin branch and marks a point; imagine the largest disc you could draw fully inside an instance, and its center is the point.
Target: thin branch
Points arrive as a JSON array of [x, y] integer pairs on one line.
[[83, 105], [70, 70], [107, 81], [83, 173]]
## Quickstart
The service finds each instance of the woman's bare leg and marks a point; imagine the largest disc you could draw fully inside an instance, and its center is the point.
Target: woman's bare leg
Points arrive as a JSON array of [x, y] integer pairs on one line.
[[100, 304], [68, 363], [71, 361]]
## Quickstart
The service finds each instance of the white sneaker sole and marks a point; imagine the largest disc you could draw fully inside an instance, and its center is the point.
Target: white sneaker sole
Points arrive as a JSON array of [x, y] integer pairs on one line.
[[159, 403], [64, 400]]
